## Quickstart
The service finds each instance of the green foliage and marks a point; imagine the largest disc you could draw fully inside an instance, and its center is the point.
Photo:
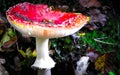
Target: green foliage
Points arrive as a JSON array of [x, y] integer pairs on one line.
[[111, 73], [100, 38], [26, 54], [89, 39], [66, 44], [28, 57]]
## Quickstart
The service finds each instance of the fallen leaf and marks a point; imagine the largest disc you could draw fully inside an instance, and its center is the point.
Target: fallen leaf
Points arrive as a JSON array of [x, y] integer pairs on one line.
[[22, 53], [90, 3], [97, 19], [104, 63], [8, 38], [10, 42], [34, 53], [92, 54]]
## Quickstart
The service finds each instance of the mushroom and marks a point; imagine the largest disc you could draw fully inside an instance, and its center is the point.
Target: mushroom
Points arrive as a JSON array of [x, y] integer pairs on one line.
[[43, 23]]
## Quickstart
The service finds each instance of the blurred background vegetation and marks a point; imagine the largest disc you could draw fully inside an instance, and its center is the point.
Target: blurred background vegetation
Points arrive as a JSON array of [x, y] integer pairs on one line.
[[101, 35]]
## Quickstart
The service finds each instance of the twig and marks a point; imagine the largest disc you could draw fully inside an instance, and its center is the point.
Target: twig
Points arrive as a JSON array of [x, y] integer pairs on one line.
[[97, 40]]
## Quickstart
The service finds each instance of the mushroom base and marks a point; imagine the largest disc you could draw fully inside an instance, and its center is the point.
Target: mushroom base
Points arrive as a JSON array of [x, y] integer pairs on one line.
[[43, 60], [44, 72], [43, 63]]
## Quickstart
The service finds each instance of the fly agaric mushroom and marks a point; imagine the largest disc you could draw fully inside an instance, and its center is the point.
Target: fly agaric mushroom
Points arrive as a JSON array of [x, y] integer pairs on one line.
[[38, 20]]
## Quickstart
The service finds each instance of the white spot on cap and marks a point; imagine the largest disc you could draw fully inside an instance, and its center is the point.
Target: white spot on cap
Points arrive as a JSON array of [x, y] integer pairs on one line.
[[29, 33]]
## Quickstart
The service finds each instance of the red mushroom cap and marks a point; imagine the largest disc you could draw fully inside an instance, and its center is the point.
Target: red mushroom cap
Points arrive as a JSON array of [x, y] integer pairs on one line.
[[38, 20]]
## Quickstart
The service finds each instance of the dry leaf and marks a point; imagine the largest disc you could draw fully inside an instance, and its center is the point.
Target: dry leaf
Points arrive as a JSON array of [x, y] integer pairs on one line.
[[104, 63], [90, 3], [97, 19], [92, 54]]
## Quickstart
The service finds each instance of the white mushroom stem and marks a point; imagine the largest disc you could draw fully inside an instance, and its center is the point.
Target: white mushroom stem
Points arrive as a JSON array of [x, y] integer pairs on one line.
[[43, 60], [44, 72]]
